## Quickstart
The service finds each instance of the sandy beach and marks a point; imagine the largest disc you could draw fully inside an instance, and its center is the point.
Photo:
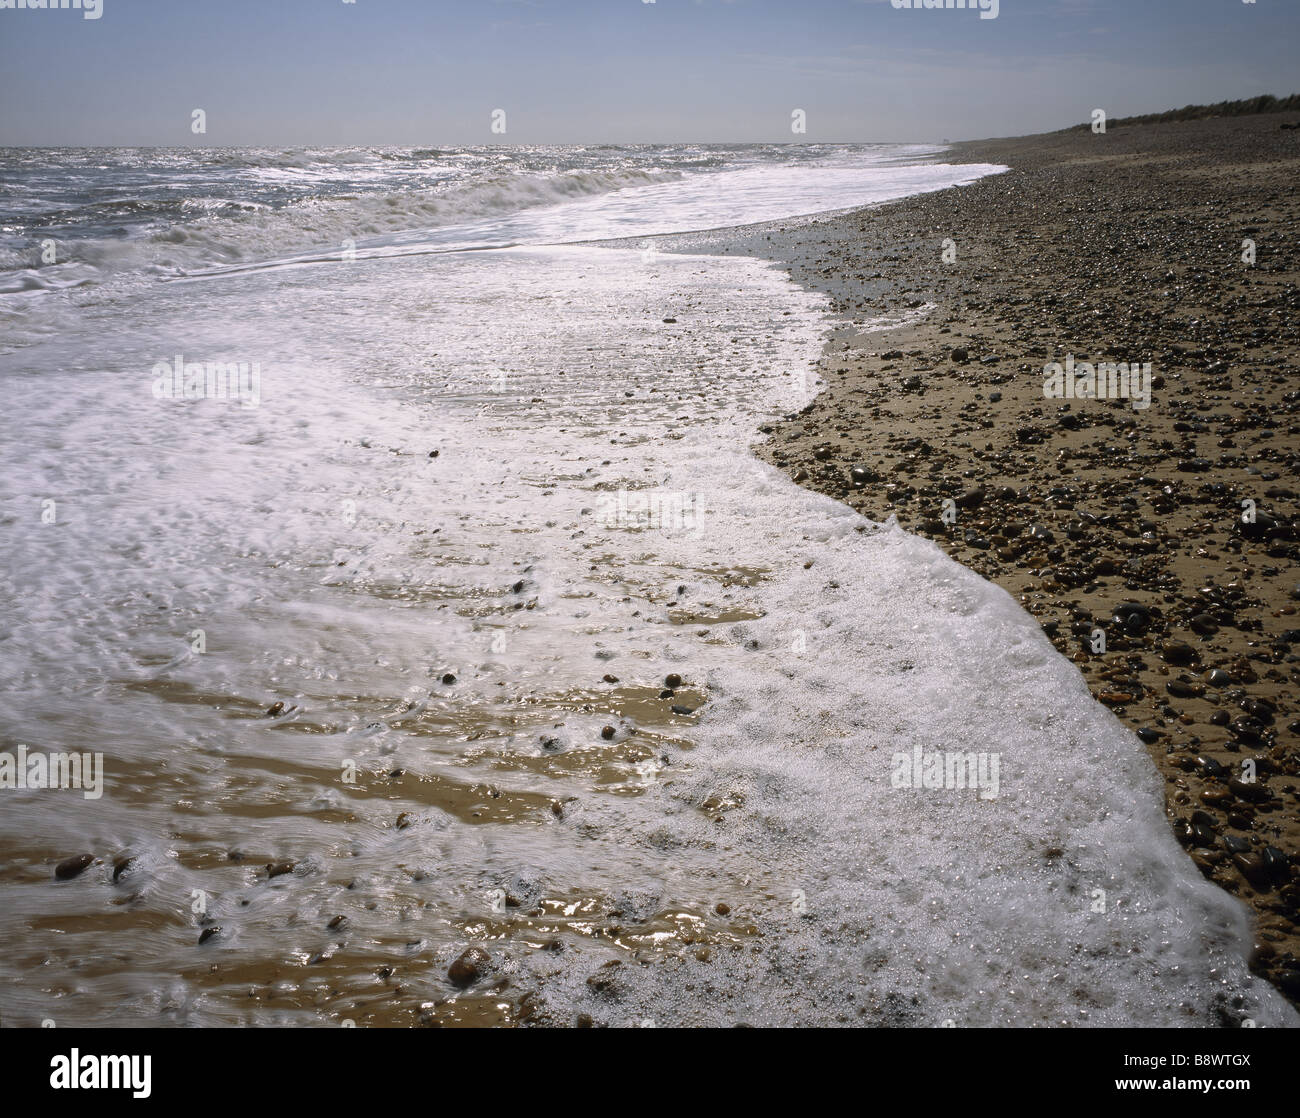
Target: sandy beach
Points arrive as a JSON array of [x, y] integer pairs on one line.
[[1156, 545]]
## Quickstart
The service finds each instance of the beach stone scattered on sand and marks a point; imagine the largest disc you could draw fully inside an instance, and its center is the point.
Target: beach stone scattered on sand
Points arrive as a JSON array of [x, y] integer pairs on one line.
[[469, 966], [71, 867]]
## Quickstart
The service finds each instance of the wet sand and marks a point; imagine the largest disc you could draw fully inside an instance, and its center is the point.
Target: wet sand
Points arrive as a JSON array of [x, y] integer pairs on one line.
[[1105, 521]]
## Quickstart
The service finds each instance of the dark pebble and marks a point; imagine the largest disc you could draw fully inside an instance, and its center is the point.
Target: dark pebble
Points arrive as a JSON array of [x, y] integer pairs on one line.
[[469, 967], [1255, 793], [1210, 766], [1251, 867], [1184, 690], [71, 867], [1277, 863]]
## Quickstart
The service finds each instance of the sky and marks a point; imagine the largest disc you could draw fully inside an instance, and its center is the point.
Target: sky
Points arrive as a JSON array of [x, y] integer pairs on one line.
[[287, 73]]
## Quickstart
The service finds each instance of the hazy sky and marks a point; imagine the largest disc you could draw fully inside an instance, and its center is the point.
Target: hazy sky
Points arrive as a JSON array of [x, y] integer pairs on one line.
[[431, 72]]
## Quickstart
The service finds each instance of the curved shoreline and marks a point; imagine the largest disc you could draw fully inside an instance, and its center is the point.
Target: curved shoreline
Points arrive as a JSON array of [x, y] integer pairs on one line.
[[1081, 507]]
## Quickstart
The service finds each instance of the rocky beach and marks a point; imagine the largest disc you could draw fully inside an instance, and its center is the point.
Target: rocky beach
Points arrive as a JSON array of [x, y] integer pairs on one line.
[[1156, 545]]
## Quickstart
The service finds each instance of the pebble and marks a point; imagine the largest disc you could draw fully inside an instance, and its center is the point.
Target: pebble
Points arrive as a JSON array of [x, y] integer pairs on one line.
[[469, 966], [71, 867], [1184, 690], [1254, 793], [1248, 730], [1276, 863], [1132, 618], [1251, 867]]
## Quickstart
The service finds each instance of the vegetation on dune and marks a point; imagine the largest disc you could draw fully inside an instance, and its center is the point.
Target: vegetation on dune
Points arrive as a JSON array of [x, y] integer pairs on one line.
[[1265, 103]]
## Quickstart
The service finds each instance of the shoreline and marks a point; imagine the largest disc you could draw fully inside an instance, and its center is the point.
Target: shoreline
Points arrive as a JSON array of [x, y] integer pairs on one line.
[[767, 796], [1095, 515]]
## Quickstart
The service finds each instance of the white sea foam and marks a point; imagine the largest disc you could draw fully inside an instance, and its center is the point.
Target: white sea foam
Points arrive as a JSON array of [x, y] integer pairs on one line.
[[334, 566]]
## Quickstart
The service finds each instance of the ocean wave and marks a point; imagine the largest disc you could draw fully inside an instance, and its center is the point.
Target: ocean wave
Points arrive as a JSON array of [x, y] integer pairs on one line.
[[206, 232]]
